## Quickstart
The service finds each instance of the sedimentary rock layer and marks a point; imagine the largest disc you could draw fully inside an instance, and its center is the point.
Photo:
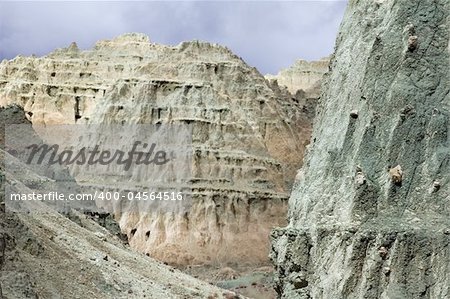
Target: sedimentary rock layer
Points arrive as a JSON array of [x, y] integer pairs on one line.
[[45, 254], [305, 76], [248, 135], [304, 81], [369, 215]]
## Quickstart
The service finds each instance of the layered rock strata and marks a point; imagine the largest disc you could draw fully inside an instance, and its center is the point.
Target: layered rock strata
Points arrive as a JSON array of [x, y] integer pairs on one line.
[[44, 254], [248, 135], [369, 214], [303, 80], [304, 76]]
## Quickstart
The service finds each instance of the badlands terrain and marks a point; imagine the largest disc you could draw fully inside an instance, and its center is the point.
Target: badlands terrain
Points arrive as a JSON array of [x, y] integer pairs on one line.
[[249, 135], [363, 202]]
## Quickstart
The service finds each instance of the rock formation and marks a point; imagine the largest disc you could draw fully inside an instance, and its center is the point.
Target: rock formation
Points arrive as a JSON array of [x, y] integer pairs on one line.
[[248, 135], [369, 214], [44, 254], [303, 80], [305, 76]]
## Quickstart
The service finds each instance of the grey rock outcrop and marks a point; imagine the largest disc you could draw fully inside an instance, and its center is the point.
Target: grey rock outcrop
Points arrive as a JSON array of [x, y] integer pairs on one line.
[[246, 135], [369, 214]]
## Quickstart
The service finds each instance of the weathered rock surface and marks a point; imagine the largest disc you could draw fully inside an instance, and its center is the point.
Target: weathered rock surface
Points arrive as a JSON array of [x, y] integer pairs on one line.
[[44, 254], [305, 76], [369, 215], [304, 81], [248, 135]]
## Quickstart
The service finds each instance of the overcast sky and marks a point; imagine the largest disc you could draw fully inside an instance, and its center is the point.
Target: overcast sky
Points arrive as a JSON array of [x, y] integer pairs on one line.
[[269, 35]]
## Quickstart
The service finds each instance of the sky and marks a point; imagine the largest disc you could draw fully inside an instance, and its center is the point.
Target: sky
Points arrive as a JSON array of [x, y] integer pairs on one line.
[[269, 35]]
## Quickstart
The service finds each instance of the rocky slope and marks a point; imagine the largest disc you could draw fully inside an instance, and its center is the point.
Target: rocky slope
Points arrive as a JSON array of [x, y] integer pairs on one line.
[[369, 215], [45, 254], [248, 135]]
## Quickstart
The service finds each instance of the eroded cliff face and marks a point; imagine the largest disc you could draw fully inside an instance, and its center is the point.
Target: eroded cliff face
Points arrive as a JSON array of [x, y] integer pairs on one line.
[[304, 81], [247, 135], [369, 213], [304, 76], [45, 254]]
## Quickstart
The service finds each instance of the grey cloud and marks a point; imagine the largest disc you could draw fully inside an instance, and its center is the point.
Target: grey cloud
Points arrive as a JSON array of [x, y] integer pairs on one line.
[[269, 35]]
